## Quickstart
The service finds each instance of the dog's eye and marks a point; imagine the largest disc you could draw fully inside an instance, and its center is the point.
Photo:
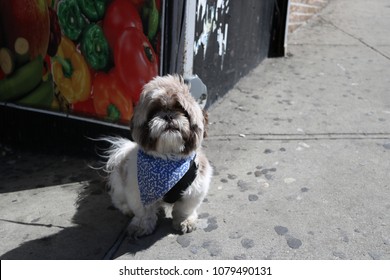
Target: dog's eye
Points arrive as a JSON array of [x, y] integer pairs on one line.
[[152, 113], [186, 114], [180, 109]]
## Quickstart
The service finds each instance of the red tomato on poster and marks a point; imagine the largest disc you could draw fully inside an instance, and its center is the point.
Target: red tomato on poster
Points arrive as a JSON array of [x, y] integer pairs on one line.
[[120, 14], [135, 61]]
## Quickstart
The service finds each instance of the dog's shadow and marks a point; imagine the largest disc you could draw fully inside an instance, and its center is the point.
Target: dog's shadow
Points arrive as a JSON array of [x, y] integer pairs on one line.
[[96, 227], [130, 246]]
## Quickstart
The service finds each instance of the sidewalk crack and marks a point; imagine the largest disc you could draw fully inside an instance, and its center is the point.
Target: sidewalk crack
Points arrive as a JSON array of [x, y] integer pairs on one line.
[[356, 38], [302, 137], [110, 254], [32, 224]]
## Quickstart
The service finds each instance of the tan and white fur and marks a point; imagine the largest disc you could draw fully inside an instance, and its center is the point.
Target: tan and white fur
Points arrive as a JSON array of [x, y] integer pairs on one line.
[[167, 123]]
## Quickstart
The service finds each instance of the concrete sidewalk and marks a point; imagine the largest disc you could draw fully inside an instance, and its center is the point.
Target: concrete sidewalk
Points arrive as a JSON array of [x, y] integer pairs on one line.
[[301, 151]]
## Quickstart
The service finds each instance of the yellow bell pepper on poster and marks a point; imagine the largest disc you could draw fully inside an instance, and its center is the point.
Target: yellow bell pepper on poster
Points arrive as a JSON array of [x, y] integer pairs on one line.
[[71, 72]]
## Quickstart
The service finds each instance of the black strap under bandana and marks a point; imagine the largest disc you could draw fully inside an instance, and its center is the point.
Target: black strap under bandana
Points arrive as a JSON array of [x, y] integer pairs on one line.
[[175, 193]]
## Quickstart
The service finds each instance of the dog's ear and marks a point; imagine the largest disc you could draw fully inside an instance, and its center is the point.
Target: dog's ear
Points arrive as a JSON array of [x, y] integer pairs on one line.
[[205, 123]]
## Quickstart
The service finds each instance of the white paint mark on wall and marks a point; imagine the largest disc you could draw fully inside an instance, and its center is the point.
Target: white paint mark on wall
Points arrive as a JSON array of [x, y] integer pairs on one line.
[[222, 41], [209, 14], [201, 7]]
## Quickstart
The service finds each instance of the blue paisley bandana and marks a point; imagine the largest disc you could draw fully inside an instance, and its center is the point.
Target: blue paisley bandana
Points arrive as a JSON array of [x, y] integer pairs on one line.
[[156, 176]]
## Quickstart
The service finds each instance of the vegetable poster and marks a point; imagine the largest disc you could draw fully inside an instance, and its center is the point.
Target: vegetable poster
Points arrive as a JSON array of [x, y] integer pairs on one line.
[[83, 57]]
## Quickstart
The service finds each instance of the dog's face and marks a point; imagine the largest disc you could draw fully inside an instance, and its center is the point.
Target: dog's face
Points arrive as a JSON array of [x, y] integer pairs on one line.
[[167, 119]]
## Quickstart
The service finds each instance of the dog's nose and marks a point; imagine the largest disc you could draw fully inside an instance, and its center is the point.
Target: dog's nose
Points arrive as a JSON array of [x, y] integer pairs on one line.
[[168, 117]]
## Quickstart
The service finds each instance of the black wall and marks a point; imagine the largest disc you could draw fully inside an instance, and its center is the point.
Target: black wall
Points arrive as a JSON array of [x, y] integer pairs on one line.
[[248, 41]]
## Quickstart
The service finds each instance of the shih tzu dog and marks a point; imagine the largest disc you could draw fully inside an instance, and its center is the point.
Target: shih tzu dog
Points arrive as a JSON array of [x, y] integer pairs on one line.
[[165, 164]]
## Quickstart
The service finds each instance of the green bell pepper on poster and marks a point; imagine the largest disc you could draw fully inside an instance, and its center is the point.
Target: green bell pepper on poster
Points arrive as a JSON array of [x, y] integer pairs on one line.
[[94, 47], [150, 18], [93, 9], [71, 20]]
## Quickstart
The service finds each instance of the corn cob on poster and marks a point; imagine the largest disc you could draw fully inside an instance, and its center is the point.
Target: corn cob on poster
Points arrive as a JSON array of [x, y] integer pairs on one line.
[[81, 57]]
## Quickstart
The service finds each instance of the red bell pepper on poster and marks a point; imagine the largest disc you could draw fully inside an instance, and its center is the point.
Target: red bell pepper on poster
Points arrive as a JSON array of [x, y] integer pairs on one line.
[[135, 61], [110, 98], [120, 14], [85, 107]]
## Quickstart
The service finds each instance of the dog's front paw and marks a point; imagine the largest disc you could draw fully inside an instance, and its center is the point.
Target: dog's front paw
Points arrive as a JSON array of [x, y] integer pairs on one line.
[[186, 226], [141, 226]]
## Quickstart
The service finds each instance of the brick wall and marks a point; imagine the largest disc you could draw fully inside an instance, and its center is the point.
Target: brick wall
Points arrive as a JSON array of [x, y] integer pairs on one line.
[[302, 10]]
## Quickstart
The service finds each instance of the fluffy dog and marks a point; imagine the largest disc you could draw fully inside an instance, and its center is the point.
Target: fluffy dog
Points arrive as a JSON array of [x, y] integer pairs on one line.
[[165, 163]]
